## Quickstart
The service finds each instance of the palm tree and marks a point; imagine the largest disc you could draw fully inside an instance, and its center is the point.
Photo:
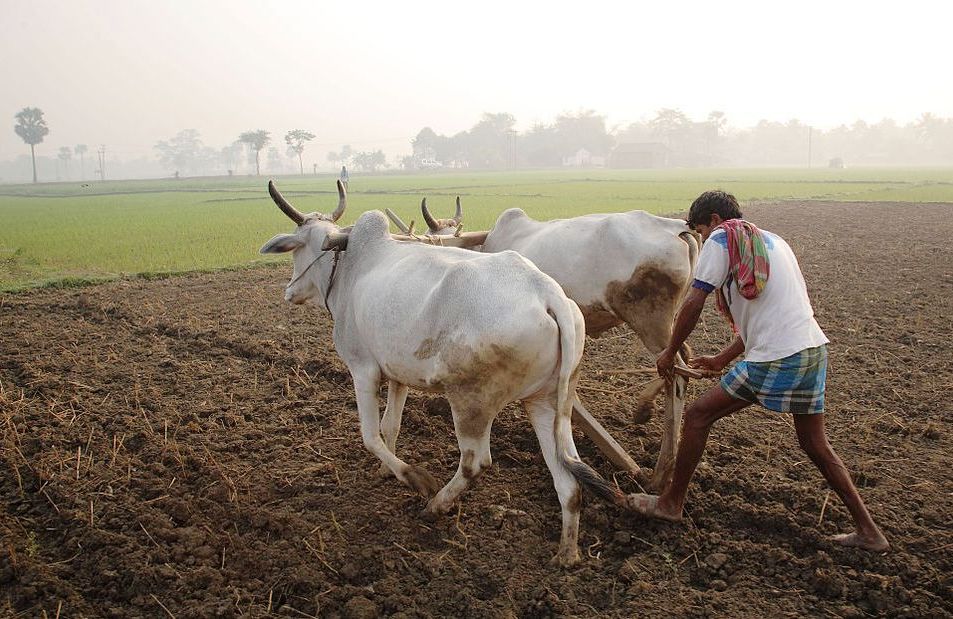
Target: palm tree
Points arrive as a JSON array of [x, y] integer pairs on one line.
[[256, 141], [80, 150], [295, 140], [32, 129]]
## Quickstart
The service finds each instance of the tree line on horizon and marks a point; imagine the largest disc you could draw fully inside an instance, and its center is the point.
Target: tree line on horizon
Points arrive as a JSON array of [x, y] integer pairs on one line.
[[669, 139], [672, 139]]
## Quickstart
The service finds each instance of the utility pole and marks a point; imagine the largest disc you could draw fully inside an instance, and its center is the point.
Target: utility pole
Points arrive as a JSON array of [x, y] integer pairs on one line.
[[102, 162]]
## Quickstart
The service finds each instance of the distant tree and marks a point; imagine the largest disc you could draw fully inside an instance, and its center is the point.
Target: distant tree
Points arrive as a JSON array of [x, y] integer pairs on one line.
[[231, 155], [80, 149], [65, 154], [183, 153], [926, 125], [637, 131], [425, 144], [585, 129], [540, 146], [378, 159], [276, 164], [718, 121], [256, 140], [295, 140], [343, 156], [491, 141], [370, 161], [668, 123], [777, 143], [454, 150], [32, 129]]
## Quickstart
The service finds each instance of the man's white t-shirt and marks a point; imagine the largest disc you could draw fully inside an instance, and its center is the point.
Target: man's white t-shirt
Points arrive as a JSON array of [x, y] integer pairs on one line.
[[777, 323]]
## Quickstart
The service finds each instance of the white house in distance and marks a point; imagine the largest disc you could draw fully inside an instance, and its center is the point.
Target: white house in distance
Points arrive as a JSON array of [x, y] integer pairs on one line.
[[582, 158]]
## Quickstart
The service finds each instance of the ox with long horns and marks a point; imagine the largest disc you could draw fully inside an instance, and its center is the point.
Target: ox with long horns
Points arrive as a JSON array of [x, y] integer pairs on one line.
[[443, 225], [630, 268], [499, 330]]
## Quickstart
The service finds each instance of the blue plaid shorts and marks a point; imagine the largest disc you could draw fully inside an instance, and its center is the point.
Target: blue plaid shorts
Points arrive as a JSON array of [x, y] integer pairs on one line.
[[794, 384]]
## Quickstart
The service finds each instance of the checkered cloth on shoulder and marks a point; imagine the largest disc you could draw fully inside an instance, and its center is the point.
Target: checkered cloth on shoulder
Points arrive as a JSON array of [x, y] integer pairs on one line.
[[794, 384], [748, 263]]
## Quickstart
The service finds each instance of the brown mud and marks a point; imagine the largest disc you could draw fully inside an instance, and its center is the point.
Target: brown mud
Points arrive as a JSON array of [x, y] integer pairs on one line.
[[190, 448]]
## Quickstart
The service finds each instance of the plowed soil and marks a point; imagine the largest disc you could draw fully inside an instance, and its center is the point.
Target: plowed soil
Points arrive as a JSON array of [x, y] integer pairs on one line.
[[189, 447]]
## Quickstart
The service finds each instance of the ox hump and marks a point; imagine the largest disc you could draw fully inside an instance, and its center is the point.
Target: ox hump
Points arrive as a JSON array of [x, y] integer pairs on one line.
[[510, 215], [371, 226]]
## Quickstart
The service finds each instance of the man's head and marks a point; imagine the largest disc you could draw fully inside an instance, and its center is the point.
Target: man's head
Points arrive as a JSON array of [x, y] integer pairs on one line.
[[710, 209]]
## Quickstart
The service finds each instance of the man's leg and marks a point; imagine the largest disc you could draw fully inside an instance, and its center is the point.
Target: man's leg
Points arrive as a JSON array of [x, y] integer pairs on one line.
[[813, 440], [698, 419]]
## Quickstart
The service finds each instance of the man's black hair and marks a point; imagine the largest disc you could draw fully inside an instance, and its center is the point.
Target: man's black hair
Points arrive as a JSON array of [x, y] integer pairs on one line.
[[710, 203]]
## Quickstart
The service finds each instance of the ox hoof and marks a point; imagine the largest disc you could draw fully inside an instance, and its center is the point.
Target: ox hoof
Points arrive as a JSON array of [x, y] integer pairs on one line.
[[421, 481], [566, 558], [432, 513], [643, 412]]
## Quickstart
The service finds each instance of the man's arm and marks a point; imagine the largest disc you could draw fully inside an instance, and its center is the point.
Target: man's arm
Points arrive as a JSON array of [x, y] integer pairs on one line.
[[731, 351], [717, 362], [685, 323]]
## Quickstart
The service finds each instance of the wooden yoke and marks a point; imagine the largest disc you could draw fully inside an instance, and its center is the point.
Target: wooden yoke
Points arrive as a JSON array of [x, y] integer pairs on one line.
[[338, 240], [464, 239]]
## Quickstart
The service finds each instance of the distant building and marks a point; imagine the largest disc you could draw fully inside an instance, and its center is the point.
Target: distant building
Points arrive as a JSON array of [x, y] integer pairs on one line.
[[640, 155], [837, 163], [582, 158]]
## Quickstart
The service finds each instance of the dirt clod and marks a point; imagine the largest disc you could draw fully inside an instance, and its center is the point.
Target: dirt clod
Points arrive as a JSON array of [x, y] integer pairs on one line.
[[716, 560], [359, 607]]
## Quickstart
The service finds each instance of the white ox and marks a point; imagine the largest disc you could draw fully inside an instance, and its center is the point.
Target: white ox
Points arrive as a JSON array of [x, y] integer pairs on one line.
[[499, 330], [630, 268]]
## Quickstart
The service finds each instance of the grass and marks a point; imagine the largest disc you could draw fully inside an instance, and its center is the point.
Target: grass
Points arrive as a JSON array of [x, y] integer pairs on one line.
[[66, 234]]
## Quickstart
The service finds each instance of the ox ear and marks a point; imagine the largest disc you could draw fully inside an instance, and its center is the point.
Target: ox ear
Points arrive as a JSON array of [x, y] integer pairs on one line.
[[281, 244]]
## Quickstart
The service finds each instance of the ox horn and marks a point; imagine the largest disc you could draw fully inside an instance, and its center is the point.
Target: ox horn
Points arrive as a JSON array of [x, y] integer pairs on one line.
[[342, 202], [458, 216], [285, 206], [431, 222]]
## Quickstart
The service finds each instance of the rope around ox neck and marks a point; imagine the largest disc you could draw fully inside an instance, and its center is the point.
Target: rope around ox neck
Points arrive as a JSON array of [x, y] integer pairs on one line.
[[334, 266]]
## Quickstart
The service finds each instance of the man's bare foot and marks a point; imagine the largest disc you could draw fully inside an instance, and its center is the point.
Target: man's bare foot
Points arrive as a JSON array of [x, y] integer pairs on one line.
[[648, 505], [875, 543]]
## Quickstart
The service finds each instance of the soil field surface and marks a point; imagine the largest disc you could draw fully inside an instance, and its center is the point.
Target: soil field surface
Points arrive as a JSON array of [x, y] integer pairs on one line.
[[189, 447]]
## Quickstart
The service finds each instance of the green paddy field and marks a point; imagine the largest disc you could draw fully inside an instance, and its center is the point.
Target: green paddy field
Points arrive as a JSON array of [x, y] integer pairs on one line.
[[74, 233]]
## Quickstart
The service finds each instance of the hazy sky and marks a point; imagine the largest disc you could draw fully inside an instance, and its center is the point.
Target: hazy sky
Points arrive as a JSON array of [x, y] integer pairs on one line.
[[129, 73]]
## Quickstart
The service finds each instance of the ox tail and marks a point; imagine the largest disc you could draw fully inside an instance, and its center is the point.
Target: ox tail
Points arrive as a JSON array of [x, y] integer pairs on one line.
[[572, 334]]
